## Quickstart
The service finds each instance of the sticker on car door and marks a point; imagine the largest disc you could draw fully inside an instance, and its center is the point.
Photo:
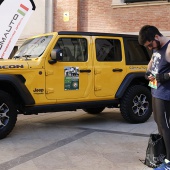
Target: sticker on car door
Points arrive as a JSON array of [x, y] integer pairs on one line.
[[71, 78]]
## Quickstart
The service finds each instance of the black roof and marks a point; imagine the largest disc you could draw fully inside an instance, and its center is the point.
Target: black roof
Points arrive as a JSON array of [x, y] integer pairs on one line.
[[95, 34]]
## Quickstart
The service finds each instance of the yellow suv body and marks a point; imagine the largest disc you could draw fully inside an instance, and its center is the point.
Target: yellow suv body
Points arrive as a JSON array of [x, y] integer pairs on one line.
[[65, 71]]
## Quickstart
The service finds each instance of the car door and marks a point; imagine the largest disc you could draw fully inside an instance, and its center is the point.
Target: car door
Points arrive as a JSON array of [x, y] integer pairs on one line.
[[109, 65], [70, 78]]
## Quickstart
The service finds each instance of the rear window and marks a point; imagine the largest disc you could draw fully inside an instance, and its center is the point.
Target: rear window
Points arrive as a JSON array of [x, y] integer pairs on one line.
[[136, 53], [108, 50]]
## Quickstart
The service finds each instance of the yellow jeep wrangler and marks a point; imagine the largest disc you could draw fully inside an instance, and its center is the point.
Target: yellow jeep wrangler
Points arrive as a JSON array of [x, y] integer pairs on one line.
[[65, 71]]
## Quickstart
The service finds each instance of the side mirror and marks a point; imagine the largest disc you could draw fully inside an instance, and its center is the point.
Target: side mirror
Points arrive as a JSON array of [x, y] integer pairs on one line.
[[56, 55]]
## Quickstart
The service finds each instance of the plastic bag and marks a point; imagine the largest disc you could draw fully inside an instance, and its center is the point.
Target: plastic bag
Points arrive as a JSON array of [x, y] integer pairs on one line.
[[155, 152]]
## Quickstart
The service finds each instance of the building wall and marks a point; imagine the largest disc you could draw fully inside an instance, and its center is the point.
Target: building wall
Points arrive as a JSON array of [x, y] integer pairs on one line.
[[103, 16], [62, 7]]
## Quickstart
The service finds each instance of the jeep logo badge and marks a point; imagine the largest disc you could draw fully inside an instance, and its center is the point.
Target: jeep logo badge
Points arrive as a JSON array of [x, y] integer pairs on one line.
[[39, 91]]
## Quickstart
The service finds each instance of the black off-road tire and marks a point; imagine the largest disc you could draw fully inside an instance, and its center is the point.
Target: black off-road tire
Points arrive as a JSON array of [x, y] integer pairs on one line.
[[96, 110], [136, 104], [8, 114]]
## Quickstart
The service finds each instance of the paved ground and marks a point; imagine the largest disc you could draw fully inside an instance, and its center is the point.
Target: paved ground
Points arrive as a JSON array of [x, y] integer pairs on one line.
[[76, 141]]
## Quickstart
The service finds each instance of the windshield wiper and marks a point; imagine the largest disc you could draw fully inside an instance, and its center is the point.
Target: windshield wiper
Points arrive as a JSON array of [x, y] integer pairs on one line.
[[15, 57], [27, 56]]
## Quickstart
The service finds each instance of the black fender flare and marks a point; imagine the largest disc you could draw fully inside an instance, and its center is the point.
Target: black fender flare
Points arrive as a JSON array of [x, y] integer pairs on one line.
[[19, 86], [126, 82]]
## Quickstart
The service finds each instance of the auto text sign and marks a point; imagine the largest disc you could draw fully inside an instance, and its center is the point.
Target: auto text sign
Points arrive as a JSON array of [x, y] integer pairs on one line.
[[14, 15]]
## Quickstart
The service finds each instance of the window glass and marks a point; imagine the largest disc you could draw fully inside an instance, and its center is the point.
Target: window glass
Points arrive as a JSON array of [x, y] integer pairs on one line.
[[137, 53], [34, 47], [108, 50], [74, 49], [131, 1]]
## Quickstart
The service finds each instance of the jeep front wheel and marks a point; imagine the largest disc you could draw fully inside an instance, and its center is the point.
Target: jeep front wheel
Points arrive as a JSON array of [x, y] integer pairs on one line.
[[8, 114], [136, 104]]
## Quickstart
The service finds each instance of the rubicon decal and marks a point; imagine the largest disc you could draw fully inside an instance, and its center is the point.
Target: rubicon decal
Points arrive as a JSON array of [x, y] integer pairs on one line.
[[11, 66], [14, 21]]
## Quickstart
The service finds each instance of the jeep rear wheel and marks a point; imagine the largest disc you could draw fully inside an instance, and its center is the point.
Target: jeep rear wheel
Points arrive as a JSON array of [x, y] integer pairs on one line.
[[8, 114], [136, 104], [95, 110]]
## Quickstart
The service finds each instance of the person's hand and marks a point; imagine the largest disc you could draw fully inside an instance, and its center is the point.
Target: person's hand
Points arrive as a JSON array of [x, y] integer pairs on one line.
[[162, 77], [149, 76]]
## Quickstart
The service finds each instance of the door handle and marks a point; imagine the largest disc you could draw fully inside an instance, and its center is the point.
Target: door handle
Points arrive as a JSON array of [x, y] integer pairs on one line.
[[85, 71], [117, 70]]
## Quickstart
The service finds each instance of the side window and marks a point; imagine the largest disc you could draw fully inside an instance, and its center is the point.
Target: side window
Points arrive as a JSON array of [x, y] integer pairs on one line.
[[74, 49], [136, 53], [108, 50]]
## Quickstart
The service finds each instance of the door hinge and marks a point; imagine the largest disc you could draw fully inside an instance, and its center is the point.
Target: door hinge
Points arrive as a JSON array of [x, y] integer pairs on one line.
[[49, 72], [97, 71], [49, 90], [97, 88]]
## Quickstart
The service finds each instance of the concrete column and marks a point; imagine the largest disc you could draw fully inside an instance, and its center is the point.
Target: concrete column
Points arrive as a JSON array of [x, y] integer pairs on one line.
[[49, 16]]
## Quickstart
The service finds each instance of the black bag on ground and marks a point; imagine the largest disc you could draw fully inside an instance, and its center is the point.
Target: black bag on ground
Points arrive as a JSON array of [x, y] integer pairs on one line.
[[155, 152]]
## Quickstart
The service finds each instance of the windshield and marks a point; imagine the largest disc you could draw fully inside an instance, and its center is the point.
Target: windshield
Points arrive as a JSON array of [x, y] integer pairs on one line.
[[34, 47]]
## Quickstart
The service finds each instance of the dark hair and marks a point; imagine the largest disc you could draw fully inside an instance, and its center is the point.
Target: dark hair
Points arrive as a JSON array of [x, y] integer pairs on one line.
[[147, 33]]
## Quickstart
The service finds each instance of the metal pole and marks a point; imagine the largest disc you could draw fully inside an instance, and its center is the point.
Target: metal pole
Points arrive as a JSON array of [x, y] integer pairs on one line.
[[48, 16]]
